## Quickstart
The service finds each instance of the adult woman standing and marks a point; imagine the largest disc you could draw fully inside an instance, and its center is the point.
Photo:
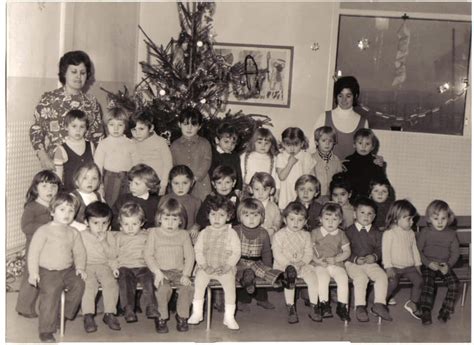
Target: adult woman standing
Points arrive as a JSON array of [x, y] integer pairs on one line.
[[343, 118], [48, 131]]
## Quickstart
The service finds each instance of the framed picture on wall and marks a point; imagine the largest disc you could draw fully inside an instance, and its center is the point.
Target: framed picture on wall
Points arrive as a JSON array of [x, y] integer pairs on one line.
[[413, 72], [266, 73]]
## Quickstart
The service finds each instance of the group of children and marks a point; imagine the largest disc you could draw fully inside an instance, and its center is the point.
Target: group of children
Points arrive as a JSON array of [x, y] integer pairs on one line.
[[204, 211]]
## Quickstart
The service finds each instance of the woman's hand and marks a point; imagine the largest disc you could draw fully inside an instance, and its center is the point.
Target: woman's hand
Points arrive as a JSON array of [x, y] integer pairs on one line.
[[378, 160], [184, 280], [45, 161], [81, 274]]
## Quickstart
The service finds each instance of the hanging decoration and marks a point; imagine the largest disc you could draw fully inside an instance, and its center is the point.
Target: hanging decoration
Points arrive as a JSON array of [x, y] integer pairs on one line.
[[402, 53], [363, 44], [187, 72]]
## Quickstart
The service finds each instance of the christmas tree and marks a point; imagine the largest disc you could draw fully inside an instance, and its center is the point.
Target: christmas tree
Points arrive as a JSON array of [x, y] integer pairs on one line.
[[187, 72]]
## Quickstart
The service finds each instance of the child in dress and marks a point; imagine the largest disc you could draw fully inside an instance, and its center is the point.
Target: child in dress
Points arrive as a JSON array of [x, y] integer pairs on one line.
[[256, 256], [259, 156], [169, 255], [292, 253], [143, 184], [400, 256], [262, 188], [292, 162], [86, 182], [181, 180], [439, 250], [76, 150], [43, 189], [361, 166], [327, 163], [217, 252], [341, 191], [193, 150], [382, 192], [223, 153], [100, 251], [307, 190], [130, 266], [362, 266], [152, 149], [115, 155], [331, 248], [57, 261]]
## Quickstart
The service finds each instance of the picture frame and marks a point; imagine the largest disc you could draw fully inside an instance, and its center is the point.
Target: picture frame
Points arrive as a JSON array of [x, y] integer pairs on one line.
[[266, 73]]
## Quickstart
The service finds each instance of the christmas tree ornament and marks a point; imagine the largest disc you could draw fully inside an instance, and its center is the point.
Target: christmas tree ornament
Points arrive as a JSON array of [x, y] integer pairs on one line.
[[402, 53], [199, 43], [162, 92], [315, 46], [363, 44]]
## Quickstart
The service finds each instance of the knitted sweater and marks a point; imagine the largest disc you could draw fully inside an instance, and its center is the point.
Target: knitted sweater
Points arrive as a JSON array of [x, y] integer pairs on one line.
[[130, 249], [364, 244], [438, 246], [116, 154], [291, 248], [98, 252], [34, 215], [149, 205], [190, 203], [399, 248], [263, 238]]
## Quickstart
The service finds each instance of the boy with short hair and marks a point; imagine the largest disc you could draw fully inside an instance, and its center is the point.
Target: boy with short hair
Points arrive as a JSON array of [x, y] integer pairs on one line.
[[153, 149], [362, 266], [98, 242]]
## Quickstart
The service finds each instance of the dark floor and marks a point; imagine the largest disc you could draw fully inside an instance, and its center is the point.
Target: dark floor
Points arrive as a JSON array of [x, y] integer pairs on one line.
[[263, 325]]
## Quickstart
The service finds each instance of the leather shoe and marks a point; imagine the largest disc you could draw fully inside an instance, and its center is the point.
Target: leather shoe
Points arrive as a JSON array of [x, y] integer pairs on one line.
[[89, 324], [161, 326], [182, 324], [130, 315], [47, 338], [28, 316], [111, 321], [152, 312]]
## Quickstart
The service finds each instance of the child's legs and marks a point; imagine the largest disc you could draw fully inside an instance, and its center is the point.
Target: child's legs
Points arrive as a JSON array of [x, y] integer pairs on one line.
[[50, 287], [340, 276], [200, 285], [75, 289], [393, 282], [261, 294], [163, 295], [28, 294], [127, 287], [227, 281], [110, 289], [415, 277], [185, 298], [90, 291], [453, 290], [378, 275], [323, 282], [264, 272], [360, 281], [145, 277], [114, 185], [289, 296], [428, 290], [308, 274]]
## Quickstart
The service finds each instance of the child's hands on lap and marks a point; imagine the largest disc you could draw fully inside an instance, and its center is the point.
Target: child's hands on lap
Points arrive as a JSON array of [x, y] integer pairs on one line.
[[444, 268], [184, 280], [33, 279], [331, 260], [159, 277], [433, 266], [418, 269], [321, 262], [390, 273], [361, 260], [369, 259], [81, 273]]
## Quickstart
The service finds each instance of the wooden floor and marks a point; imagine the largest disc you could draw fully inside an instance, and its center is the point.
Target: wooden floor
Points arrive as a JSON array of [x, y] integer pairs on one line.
[[263, 325]]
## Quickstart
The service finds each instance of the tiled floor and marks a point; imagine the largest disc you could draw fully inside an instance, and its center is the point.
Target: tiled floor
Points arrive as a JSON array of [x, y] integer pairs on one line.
[[263, 325]]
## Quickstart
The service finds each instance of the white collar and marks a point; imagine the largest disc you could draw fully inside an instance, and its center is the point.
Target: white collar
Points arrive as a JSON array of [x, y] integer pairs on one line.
[[144, 196], [324, 232], [359, 226], [219, 149]]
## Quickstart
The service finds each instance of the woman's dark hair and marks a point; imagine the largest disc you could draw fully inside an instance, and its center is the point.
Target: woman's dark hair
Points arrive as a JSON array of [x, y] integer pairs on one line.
[[350, 83], [74, 58]]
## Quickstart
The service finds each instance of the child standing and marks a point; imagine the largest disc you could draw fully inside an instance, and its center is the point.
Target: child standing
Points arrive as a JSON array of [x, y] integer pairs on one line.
[[217, 252], [43, 189], [223, 152], [143, 185], [152, 149], [327, 163], [130, 266], [193, 150], [115, 155], [361, 167], [262, 187], [56, 261], [100, 251], [307, 190], [382, 193], [341, 191], [292, 253], [259, 156], [75, 151], [181, 180], [366, 250], [400, 256], [256, 255], [169, 255], [292, 162], [439, 250], [331, 248]]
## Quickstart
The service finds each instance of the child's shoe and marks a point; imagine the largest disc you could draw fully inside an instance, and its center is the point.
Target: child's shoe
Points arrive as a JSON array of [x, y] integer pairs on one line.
[[181, 324], [47, 337], [161, 325], [265, 304], [28, 316], [248, 281], [130, 315], [426, 317], [289, 281], [196, 316], [361, 313], [381, 310], [89, 324], [444, 315], [315, 312], [412, 309], [392, 301], [229, 319], [342, 311], [292, 316], [111, 321], [326, 310], [152, 311]]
